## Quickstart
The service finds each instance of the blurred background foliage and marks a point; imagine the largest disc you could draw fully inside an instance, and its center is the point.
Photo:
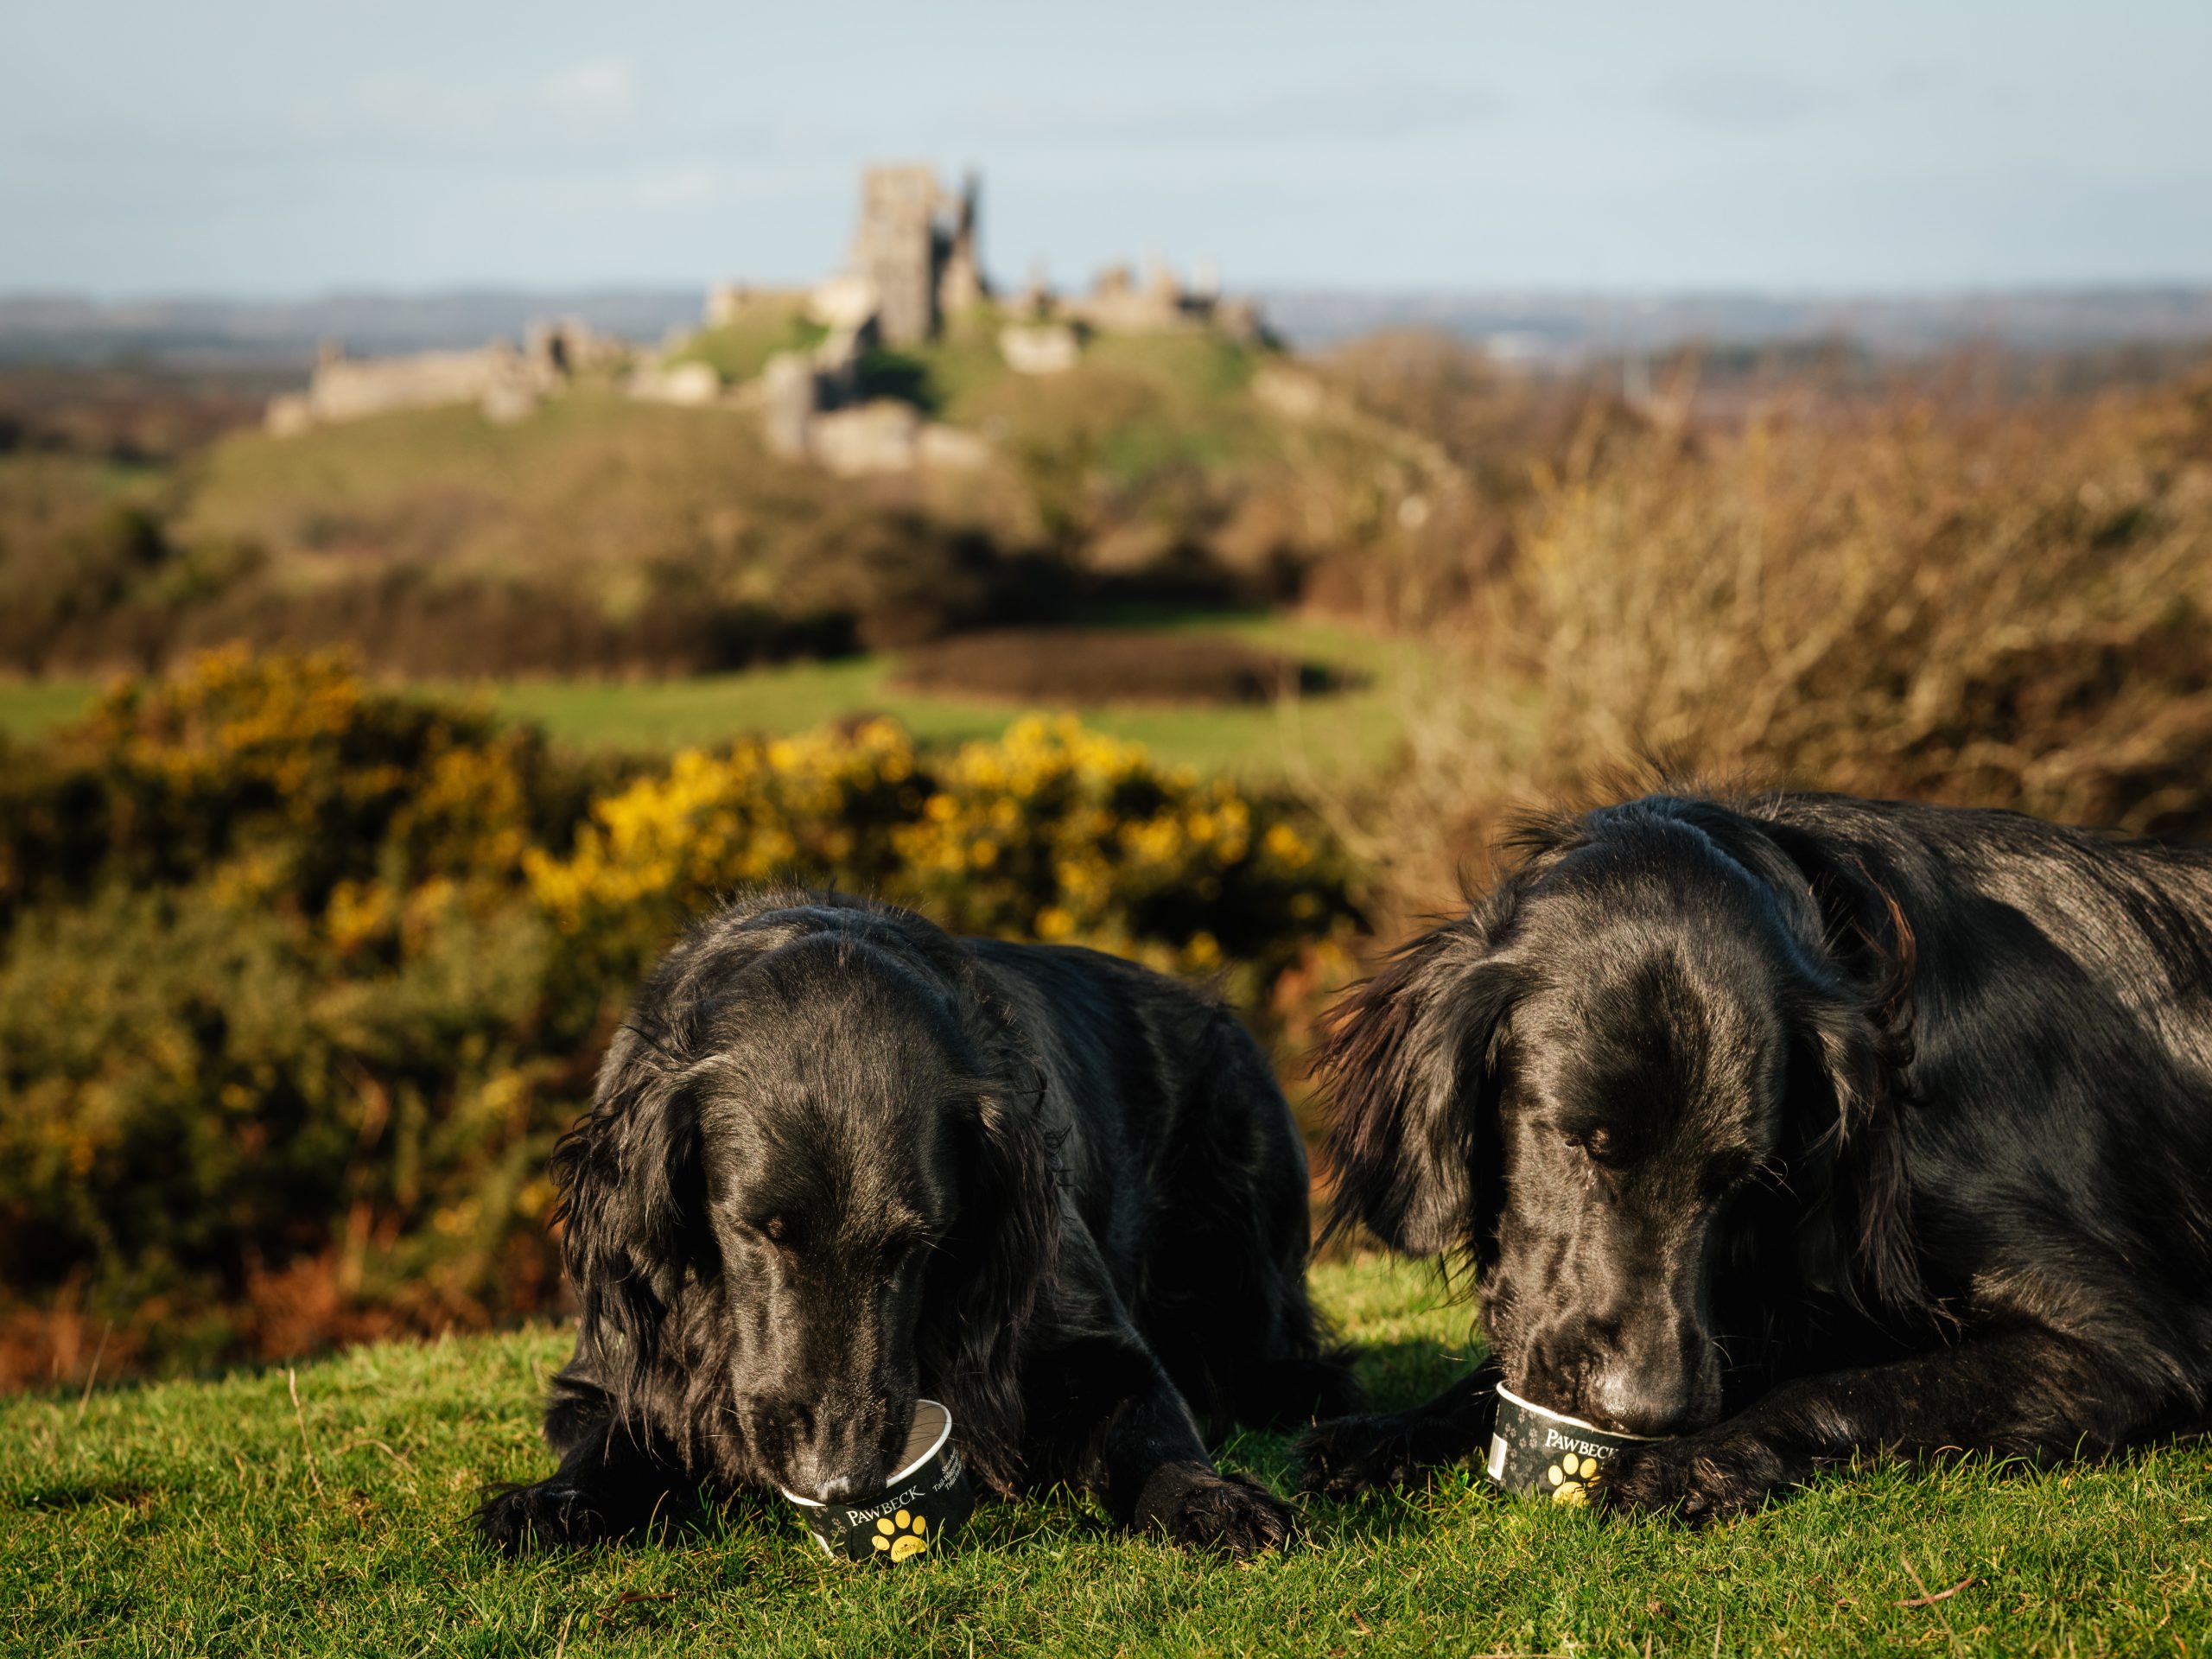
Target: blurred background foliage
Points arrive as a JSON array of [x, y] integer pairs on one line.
[[1942, 596], [301, 977], [303, 964]]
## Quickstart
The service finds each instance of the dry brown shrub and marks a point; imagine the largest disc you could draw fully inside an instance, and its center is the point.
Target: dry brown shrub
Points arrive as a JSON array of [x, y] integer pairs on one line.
[[2011, 609]]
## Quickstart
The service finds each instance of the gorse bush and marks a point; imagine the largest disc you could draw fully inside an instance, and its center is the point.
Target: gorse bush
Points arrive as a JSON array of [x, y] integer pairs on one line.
[[268, 954], [289, 775], [1051, 833], [227, 1140], [299, 980]]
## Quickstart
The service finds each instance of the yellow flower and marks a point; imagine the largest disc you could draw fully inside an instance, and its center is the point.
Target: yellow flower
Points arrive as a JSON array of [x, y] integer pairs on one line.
[[1284, 844]]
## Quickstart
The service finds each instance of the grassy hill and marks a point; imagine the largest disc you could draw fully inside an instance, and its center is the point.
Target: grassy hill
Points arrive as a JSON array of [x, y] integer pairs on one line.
[[600, 534], [1132, 433], [228, 1517]]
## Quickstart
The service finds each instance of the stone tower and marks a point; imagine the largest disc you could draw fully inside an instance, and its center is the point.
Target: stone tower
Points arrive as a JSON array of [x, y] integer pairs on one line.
[[916, 251], [896, 249]]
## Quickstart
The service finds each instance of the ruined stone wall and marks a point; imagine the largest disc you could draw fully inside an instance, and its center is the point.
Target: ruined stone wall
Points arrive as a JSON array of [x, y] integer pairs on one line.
[[351, 388], [505, 383]]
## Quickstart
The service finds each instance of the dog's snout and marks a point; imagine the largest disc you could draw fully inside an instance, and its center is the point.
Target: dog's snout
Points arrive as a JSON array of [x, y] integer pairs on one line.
[[1629, 1402], [837, 1489], [820, 1452], [1630, 1376], [841, 1465]]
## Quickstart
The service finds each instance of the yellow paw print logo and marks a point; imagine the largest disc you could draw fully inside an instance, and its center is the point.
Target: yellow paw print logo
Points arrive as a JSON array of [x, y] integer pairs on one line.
[[903, 1536], [1571, 1478]]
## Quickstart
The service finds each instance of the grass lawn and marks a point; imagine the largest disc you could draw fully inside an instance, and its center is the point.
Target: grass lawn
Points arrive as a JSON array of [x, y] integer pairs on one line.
[[1343, 733], [212, 1518]]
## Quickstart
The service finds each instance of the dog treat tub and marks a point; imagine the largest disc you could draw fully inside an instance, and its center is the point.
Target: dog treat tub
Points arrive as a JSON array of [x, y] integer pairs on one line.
[[916, 1514], [1544, 1454]]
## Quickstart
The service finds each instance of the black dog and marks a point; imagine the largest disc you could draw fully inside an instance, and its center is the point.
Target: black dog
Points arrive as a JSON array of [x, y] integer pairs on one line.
[[839, 1161], [1797, 1127]]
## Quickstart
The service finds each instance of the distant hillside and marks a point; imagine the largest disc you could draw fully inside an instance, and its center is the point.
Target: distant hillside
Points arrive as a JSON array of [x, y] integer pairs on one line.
[[1542, 326], [1555, 325], [69, 327]]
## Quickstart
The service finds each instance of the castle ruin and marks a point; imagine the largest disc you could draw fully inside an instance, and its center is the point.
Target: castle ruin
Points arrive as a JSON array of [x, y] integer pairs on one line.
[[915, 250], [913, 265]]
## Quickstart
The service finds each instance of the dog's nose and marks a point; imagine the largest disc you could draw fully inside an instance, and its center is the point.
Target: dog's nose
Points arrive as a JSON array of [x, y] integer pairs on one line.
[[1629, 1402], [847, 1474], [842, 1460]]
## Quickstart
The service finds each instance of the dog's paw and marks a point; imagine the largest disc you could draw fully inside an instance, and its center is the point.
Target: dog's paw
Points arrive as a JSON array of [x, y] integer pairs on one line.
[[552, 1515], [1226, 1513], [1701, 1478], [1348, 1456]]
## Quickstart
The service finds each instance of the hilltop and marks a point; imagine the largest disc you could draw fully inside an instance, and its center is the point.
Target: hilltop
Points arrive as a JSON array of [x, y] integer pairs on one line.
[[603, 532]]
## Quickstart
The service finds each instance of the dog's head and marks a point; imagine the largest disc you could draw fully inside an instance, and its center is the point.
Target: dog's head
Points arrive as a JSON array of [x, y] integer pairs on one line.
[[1586, 1085], [804, 1198]]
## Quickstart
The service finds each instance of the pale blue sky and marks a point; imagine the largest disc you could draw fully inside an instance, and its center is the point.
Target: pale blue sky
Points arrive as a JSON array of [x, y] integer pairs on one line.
[[251, 148]]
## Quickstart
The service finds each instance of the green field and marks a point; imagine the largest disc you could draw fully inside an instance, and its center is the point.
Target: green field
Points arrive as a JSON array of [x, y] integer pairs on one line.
[[1338, 735], [215, 1517], [29, 707]]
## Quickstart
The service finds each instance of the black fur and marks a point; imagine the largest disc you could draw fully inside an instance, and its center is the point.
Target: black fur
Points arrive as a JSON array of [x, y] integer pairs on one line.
[[1796, 1127], [839, 1161]]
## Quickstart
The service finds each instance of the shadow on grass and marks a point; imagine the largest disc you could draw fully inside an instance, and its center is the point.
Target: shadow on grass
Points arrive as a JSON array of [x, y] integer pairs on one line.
[[131, 1494], [1398, 1375], [1049, 1515]]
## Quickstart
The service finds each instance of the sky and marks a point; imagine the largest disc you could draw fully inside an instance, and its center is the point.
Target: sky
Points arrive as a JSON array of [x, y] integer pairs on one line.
[[239, 148]]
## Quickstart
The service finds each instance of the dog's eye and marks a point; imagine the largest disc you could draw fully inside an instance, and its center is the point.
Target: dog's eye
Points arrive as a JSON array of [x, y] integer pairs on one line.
[[1603, 1146], [779, 1230], [1728, 1170]]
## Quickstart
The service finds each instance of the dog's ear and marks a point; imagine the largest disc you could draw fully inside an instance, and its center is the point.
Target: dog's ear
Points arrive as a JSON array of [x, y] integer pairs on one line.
[[630, 1185], [1853, 1148], [1853, 1025], [1411, 1058], [1851, 1015], [1003, 1250]]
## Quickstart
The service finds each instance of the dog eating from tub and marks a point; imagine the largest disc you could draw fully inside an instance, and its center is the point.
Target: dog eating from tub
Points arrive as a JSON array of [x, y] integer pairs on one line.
[[1790, 1129], [839, 1161]]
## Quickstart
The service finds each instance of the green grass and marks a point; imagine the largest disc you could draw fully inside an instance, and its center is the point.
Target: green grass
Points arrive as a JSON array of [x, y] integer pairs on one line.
[[768, 323], [214, 1518], [1338, 735], [29, 707], [1136, 406], [1335, 735]]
